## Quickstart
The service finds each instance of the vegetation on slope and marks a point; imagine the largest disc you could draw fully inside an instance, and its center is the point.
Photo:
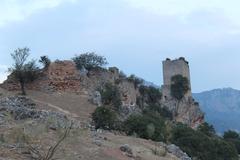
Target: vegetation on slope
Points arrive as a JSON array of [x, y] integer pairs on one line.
[[155, 123], [154, 120], [179, 86]]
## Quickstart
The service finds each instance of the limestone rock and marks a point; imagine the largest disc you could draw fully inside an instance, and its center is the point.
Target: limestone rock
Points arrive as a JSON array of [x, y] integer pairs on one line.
[[126, 148], [97, 98], [175, 150]]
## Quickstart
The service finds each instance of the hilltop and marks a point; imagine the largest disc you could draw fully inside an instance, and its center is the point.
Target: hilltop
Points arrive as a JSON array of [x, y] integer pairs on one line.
[[63, 76], [100, 113], [63, 94]]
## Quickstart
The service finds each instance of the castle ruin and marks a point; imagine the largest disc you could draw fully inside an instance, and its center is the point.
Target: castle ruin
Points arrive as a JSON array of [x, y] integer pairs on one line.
[[171, 68], [186, 110]]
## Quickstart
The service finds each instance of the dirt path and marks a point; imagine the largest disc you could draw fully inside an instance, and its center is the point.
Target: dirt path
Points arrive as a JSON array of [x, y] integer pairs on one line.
[[56, 107], [78, 106]]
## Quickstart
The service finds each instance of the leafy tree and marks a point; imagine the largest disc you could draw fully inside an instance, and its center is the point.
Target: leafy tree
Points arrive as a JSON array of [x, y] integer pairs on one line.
[[22, 70], [148, 126], [163, 111], [202, 147], [111, 95], [179, 86], [150, 94], [231, 135], [45, 61], [234, 138], [104, 118], [207, 129], [89, 61]]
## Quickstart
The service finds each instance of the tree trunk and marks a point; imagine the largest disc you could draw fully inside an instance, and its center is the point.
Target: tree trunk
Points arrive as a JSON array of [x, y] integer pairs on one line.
[[22, 84]]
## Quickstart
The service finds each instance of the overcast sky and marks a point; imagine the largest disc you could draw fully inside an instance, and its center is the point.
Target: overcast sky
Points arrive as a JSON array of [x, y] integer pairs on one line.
[[134, 35]]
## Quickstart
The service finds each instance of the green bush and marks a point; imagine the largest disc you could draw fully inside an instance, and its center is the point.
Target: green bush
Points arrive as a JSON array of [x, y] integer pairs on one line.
[[22, 70], [163, 111], [111, 96], [179, 86], [234, 138], [148, 126], [207, 129], [202, 147], [231, 135], [236, 143], [89, 61], [104, 118], [151, 95]]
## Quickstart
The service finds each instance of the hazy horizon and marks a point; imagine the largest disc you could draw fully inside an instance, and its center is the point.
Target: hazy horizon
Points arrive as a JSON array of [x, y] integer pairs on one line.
[[134, 35]]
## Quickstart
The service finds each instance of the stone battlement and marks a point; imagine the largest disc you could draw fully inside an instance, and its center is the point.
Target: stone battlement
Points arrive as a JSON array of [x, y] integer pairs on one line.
[[187, 110], [175, 67]]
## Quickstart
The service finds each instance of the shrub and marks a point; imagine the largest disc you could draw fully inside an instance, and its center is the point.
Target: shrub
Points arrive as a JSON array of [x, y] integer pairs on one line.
[[89, 61], [45, 61], [200, 146], [236, 143], [111, 95], [234, 138], [207, 129], [148, 126], [104, 118], [163, 111], [150, 94], [179, 86], [31, 71], [231, 135]]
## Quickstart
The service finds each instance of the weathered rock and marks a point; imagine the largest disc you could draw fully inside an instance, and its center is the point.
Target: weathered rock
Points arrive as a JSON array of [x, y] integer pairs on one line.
[[97, 98], [126, 148], [22, 108], [98, 142], [175, 150]]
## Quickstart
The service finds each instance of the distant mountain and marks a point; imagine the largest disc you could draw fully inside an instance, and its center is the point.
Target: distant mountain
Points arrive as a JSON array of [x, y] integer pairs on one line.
[[221, 107]]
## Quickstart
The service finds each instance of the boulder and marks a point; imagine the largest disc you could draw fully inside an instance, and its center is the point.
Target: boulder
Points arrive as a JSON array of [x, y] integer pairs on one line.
[[175, 150]]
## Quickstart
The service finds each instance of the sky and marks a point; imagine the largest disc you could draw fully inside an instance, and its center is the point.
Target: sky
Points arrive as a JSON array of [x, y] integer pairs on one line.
[[134, 35]]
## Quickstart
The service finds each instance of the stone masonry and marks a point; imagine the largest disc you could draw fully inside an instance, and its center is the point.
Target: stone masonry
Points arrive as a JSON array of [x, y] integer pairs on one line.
[[171, 68], [186, 110]]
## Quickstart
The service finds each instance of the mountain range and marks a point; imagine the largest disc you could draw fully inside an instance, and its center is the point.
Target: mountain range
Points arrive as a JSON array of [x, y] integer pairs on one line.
[[221, 108]]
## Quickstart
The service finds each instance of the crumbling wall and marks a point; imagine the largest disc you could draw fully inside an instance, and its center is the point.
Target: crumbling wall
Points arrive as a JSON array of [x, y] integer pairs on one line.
[[185, 110], [175, 67], [63, 76]]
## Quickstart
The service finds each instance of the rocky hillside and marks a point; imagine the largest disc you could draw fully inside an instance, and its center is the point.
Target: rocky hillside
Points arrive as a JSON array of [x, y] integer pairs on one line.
[[29, 129], [221, 107], [66, 109], [63, 76]]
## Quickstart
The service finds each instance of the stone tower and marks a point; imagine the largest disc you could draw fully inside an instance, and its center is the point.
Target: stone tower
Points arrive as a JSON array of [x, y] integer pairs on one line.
[[171, 68], [186, 110]]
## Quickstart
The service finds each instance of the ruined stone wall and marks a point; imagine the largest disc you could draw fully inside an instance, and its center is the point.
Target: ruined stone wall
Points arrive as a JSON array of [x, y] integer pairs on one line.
[[186, 110], [171, 68], [63, 76], [128, 93], [175, 67]]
